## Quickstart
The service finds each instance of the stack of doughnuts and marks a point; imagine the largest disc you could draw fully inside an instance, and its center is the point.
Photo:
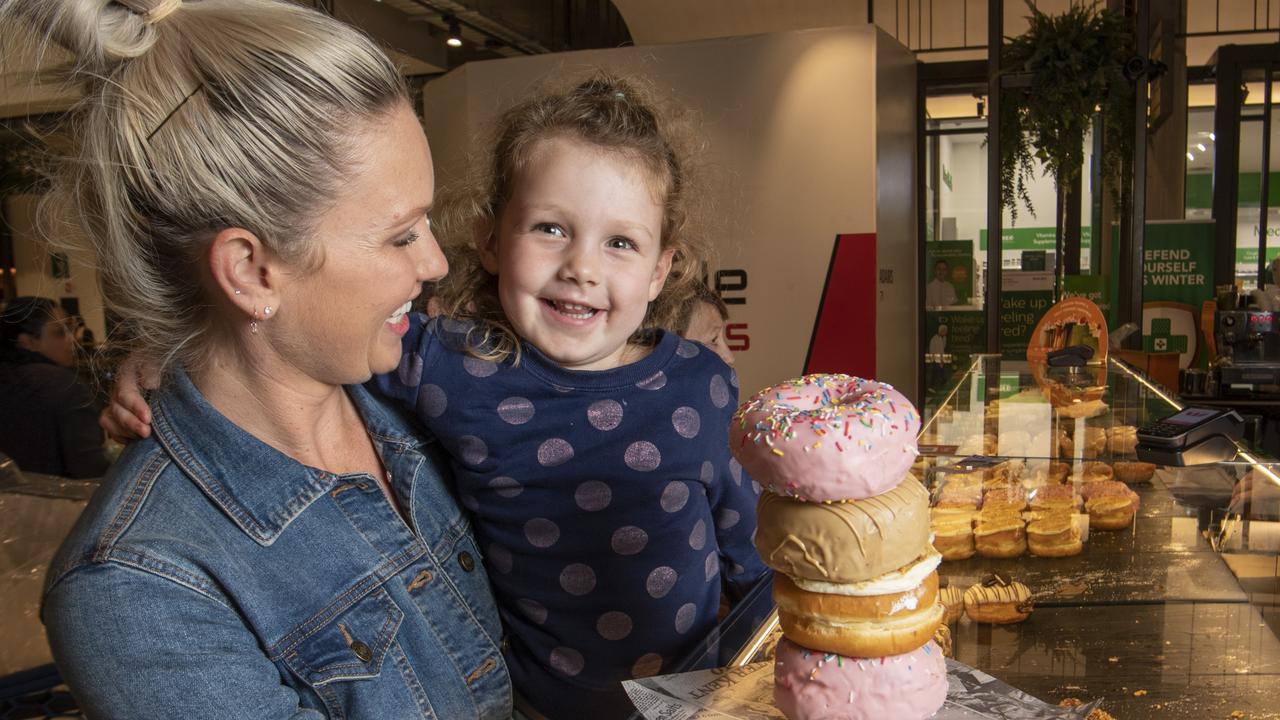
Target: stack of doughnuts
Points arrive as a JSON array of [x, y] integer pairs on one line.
[[846, 527]]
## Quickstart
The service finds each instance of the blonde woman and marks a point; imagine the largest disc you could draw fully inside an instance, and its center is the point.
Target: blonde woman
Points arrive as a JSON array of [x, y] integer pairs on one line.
[[283, 545]]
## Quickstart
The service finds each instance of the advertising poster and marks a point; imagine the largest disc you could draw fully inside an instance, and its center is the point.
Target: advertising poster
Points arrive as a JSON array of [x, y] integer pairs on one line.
[[1024, 299], [952, 338], [950, 268], [1177, 277]]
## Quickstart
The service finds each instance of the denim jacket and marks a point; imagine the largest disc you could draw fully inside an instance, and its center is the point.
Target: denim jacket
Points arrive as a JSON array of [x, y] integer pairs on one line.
[[213, 577]]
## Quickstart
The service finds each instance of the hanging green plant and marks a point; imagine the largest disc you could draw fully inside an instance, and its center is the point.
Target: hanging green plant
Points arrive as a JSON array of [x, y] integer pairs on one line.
[[1075, 62]]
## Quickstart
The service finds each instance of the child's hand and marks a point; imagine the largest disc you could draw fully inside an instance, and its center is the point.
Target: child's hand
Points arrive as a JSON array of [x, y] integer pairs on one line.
[[128, 418]]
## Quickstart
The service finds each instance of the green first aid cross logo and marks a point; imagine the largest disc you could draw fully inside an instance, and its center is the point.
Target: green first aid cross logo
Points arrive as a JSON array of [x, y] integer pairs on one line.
[[1162, 339]]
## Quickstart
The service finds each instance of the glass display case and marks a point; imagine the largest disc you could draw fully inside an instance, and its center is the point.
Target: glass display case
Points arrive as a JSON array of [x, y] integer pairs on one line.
[[1165, 617]]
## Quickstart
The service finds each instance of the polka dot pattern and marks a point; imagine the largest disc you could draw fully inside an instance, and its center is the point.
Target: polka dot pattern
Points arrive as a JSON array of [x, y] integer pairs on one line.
[[533, 610], [410, 369], [605, 414], [578, 579], [478, 368], [674, 496], [647, 665], [593, 496], [698, 538], [712, 566], [707, 473], [567, 661], [541, 532], [432, 400], [660, 581], [735, 471], [687, 349], [686, 421], [553, 452], [685, 617], [515, 410], [472, 450], [656, 381], [506, 487], [629, 540], [727, 518], [719, 392], [614, 625], [642, 456]]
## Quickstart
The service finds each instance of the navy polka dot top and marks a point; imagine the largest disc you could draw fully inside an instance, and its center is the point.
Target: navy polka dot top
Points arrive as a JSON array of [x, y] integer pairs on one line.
[[607, 505]]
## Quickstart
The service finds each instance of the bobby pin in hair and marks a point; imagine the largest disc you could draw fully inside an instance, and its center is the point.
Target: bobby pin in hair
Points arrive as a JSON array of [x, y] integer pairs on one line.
[[174, 110]]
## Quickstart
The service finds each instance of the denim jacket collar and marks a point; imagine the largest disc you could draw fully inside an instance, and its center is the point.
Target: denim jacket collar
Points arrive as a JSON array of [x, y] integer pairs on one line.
[[261, 489]]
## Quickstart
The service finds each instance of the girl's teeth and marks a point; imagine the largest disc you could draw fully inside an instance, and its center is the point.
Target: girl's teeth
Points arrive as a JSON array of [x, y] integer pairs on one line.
[[577, 312]]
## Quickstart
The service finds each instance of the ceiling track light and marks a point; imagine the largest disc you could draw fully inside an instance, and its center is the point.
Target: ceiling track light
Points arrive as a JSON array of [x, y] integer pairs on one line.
[[454, 40]]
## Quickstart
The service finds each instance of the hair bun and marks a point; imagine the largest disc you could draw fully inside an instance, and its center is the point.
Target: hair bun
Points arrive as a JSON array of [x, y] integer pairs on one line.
[[99, 34]]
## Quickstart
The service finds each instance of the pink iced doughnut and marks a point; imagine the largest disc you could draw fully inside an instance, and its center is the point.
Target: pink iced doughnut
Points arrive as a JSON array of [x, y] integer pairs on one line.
[[809, 685], [826, 438]]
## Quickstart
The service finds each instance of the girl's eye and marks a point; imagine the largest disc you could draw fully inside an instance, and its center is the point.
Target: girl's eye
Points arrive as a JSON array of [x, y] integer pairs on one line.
[[550, 229], [621, 243], [408, 239]]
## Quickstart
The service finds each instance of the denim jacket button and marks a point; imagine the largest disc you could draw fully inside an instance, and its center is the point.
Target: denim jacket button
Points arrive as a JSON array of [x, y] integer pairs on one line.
[[362, 651], [467, 562]]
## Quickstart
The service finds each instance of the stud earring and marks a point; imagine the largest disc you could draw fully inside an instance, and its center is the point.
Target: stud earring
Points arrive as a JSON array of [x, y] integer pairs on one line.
[[238, 291], [267, 311]]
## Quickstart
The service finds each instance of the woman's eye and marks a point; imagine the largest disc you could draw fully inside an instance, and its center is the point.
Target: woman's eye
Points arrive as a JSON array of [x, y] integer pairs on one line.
[[550, 229], [621, 243], [408, 239]]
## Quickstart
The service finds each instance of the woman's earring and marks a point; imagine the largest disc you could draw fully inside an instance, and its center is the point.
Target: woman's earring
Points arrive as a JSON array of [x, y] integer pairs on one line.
[[267, 311], [253, 324]]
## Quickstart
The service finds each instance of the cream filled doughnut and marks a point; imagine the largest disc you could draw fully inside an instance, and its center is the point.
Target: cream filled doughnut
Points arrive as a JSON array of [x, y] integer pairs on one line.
[[826, 438], [811, 685], [843, 542], [894, 613]]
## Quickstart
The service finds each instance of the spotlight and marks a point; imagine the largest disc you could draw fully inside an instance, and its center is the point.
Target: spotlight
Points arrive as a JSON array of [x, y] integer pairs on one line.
[[1200, 147], [455, 33], [1212, 137], [1191, 157]]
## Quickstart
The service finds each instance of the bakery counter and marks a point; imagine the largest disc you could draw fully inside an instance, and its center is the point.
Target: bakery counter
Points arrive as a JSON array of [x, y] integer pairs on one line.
[[1166, 660]]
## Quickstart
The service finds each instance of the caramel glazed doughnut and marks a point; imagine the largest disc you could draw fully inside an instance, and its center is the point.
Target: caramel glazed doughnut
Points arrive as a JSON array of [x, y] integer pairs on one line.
[[826, 438], [891, 614], [843, 542]]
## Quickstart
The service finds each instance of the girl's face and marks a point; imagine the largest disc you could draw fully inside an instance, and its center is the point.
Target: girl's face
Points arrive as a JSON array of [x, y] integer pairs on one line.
[[578, 252]]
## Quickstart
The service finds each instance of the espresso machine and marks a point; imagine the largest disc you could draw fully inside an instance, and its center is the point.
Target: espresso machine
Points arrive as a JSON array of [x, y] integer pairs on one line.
[[1248, 343]]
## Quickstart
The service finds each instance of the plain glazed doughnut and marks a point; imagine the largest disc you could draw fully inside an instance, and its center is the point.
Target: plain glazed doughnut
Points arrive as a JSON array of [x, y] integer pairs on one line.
[[843, 542], [826, 438], [811, 685]]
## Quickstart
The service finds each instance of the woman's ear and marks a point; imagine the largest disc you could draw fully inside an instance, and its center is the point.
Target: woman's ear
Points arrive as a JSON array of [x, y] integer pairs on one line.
[[245, 271], [26, 341]]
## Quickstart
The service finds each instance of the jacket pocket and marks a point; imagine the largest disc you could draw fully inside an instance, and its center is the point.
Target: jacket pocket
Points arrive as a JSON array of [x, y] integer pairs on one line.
[[352, 645]]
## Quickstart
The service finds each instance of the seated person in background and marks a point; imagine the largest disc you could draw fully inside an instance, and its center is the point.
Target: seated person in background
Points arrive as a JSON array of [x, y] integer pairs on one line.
[[704, 321], [48, 420]]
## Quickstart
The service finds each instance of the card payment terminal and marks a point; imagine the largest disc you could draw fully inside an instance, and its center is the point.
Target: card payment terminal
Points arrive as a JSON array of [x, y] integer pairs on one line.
[[1191, 436]]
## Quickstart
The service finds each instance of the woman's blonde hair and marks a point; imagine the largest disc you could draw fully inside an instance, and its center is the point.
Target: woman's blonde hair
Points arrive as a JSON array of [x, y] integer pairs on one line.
[[613, 113], [197, 117]]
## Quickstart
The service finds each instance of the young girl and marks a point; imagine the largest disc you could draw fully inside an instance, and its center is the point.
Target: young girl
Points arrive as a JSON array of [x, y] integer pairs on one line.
[[590, 446]]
